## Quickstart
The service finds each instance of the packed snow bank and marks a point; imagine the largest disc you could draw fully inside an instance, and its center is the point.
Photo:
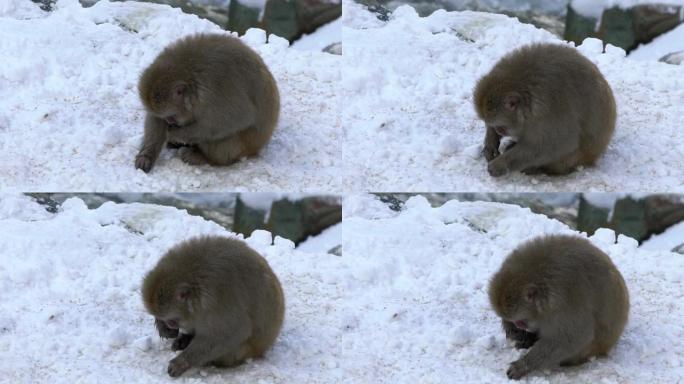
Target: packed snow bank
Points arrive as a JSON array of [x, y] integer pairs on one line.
[[71, 119], [669, 42], [72, 311], [424, 314], [666, 241], [321, 38], [409, 123], [324, 242]]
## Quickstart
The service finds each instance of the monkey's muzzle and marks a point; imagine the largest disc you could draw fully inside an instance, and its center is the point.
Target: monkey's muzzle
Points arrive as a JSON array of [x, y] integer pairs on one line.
[[520, 324], [501, 130], [171, 120]]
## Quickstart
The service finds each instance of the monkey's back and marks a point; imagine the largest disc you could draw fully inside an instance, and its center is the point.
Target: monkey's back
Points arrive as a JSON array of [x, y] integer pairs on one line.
[[224, 70], [563, 84], [237, 279], [579, 275]]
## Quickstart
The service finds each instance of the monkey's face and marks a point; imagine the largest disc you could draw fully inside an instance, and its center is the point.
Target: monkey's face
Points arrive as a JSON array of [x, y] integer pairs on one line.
[[172, 103], [504, 114], [168, 302], [517, 304]]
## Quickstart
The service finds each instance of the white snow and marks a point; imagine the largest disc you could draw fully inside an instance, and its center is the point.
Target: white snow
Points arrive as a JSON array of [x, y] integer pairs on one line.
[[409, 123], [672, 237], [669, 42], [71, 119], [321, 38], [72, 311], [330, 238], [424, 315], [594, 8]]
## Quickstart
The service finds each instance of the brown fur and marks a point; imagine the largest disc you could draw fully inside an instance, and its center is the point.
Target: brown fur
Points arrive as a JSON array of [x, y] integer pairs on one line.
[[556, 105], [222, 295], [566, 292], [214, 94]]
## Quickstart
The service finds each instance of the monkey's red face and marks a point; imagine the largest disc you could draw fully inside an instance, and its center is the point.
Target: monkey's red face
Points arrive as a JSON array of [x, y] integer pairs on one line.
[[172, 323], [172, 104]]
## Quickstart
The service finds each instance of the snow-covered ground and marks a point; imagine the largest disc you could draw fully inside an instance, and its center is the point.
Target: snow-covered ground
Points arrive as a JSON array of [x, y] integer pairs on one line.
[[71, 119], [409, 123], [424, 315], [72, 311]]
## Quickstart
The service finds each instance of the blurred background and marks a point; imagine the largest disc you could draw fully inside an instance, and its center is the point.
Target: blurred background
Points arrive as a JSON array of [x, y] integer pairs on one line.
[[307, 24], [308, 220], [656, 220], [645, 29]]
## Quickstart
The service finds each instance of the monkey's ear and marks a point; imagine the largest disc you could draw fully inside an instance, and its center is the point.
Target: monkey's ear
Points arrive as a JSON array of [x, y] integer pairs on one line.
[[531, 293], [512, 101], [183, 292]]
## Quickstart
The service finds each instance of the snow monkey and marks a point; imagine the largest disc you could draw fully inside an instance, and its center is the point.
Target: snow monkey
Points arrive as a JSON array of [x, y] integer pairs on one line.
[[211, 92], [555, 105], [565, 298], [218, 298]]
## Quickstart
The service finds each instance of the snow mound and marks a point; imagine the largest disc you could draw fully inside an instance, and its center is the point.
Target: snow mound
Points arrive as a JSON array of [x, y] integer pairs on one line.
[[424, 314], [72, 311], [408, 84], [669, 42], [71, 119]]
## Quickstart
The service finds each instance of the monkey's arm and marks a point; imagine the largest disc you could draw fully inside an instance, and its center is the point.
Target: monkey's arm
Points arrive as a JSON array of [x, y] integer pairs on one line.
[[531, 153], [210, 129], [550, 351], [225, 338], [491, 144], [153, 141]]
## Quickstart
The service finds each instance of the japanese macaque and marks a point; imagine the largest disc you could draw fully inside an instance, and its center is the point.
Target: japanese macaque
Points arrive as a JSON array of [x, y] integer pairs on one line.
[[218, 298], [561, 297], [211, 93], [554, 104]]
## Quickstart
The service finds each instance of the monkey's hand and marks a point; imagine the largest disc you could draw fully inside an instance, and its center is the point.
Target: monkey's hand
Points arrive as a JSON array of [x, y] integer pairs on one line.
[[490, 152], [517, 370], [178, 365], [181, 342], [144, 161], [164, 331], [497, 167]]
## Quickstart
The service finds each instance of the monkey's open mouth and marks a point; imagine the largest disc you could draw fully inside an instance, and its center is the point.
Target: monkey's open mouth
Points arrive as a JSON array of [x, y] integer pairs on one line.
[[501, 130], [173, 324], [171, 120], [520, 324]]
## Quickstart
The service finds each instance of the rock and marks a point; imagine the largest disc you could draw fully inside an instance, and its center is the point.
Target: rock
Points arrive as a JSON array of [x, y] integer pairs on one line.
[[334, 48], [679, 249], [676, 58], [293, 220], [242, 17], [293, 18], [45, 5], [590, 218], [624, 28], [629, 218], [378, 9], [637, 218], [337, 251]]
